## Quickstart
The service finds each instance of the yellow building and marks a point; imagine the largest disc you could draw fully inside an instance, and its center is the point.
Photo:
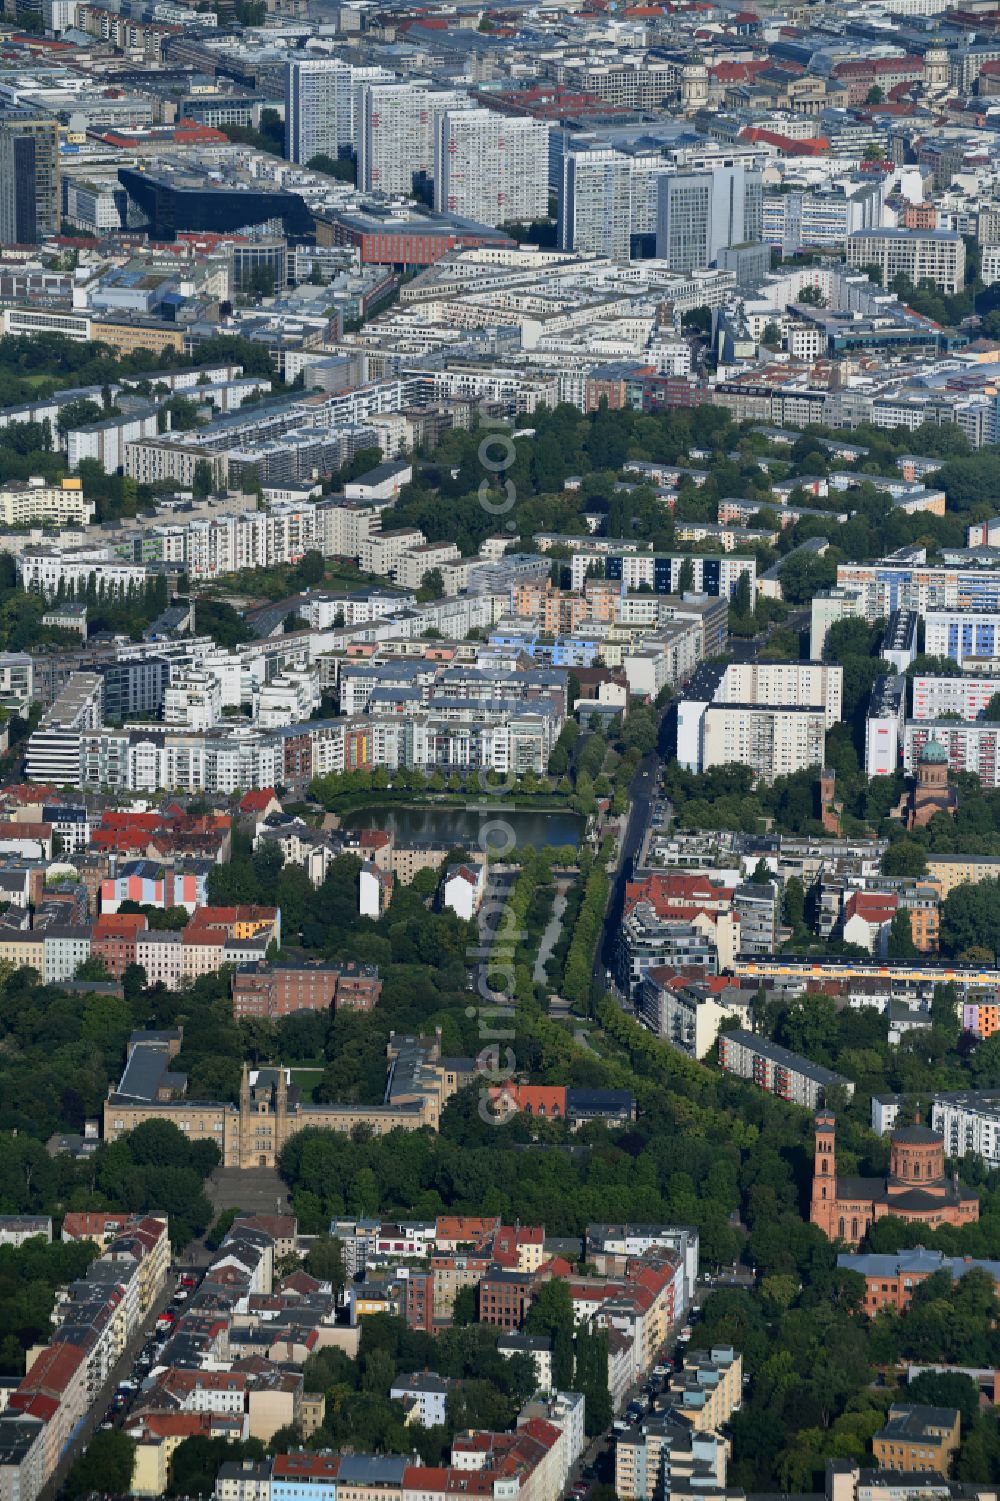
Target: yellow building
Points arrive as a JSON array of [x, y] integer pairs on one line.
[[917, 1438], [59, 505], [24, 949], [128, 337], [709, 1388], [949, 871], [254, 1133]]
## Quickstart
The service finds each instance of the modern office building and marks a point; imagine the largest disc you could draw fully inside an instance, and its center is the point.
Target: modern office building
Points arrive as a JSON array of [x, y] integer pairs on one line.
[[937, 255], [30, 192], [491, 167], [172, 203], [701, 213]]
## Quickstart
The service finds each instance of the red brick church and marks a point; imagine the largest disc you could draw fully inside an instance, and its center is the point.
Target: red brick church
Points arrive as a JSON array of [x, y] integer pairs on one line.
[[915, 1189]]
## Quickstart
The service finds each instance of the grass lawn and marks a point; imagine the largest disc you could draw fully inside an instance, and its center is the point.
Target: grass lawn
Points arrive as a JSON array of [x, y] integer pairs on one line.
[[353, 578], [306, 1079]]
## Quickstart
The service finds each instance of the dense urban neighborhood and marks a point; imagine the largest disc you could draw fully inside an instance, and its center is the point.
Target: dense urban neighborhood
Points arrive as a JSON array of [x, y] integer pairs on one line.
[[499, 750]]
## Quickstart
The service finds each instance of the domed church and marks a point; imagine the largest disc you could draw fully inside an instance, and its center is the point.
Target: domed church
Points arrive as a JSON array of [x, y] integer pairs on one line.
[[916, 1187], [931, 794]]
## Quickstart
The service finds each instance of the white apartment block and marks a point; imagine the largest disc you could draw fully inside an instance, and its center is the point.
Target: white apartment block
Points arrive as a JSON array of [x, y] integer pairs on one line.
[[829, 607], [341, 530], [784, 685], [396, 129], [222, 760], [17, 677], [52, 505], [140, 761], [959, 634], [595, 205], [686, 1017], [150, 459], [288, 698], [324, 610], [63, 951], [53, 753], [43, 569], [772, 742], [321, 106], [966, 697], [969, 1123], [255, 539], [423, 559], [827, 216], [382, 552], [937, 254], [973, 747], [192, 699], [105, 441], [491, 168]]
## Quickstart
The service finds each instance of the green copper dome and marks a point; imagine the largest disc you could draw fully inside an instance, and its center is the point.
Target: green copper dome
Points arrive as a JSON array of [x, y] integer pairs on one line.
[[934, 754]]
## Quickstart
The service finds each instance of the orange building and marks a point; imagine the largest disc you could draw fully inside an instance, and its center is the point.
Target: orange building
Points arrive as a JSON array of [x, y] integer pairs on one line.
[[603, 599], [546, 1101], [920, 216], [923, 905], [890, 1278], [915, 1189], [981, 1017]]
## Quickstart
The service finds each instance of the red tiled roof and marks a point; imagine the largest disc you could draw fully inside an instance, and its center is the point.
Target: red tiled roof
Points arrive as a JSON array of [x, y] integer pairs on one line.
[[814, 146], [873, 906], [305, 1462], [257, 799]]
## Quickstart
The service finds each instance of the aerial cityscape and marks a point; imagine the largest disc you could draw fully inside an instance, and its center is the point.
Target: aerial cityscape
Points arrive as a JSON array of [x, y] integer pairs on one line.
[[500, 750]]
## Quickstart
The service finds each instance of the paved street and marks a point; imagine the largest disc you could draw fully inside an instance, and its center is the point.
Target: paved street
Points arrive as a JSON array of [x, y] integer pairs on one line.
[[553, 929], [95, 1413], [642, 793]]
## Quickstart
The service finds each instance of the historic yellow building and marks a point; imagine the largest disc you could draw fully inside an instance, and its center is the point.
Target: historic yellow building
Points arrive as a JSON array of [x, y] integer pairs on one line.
[[253, 1133]]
